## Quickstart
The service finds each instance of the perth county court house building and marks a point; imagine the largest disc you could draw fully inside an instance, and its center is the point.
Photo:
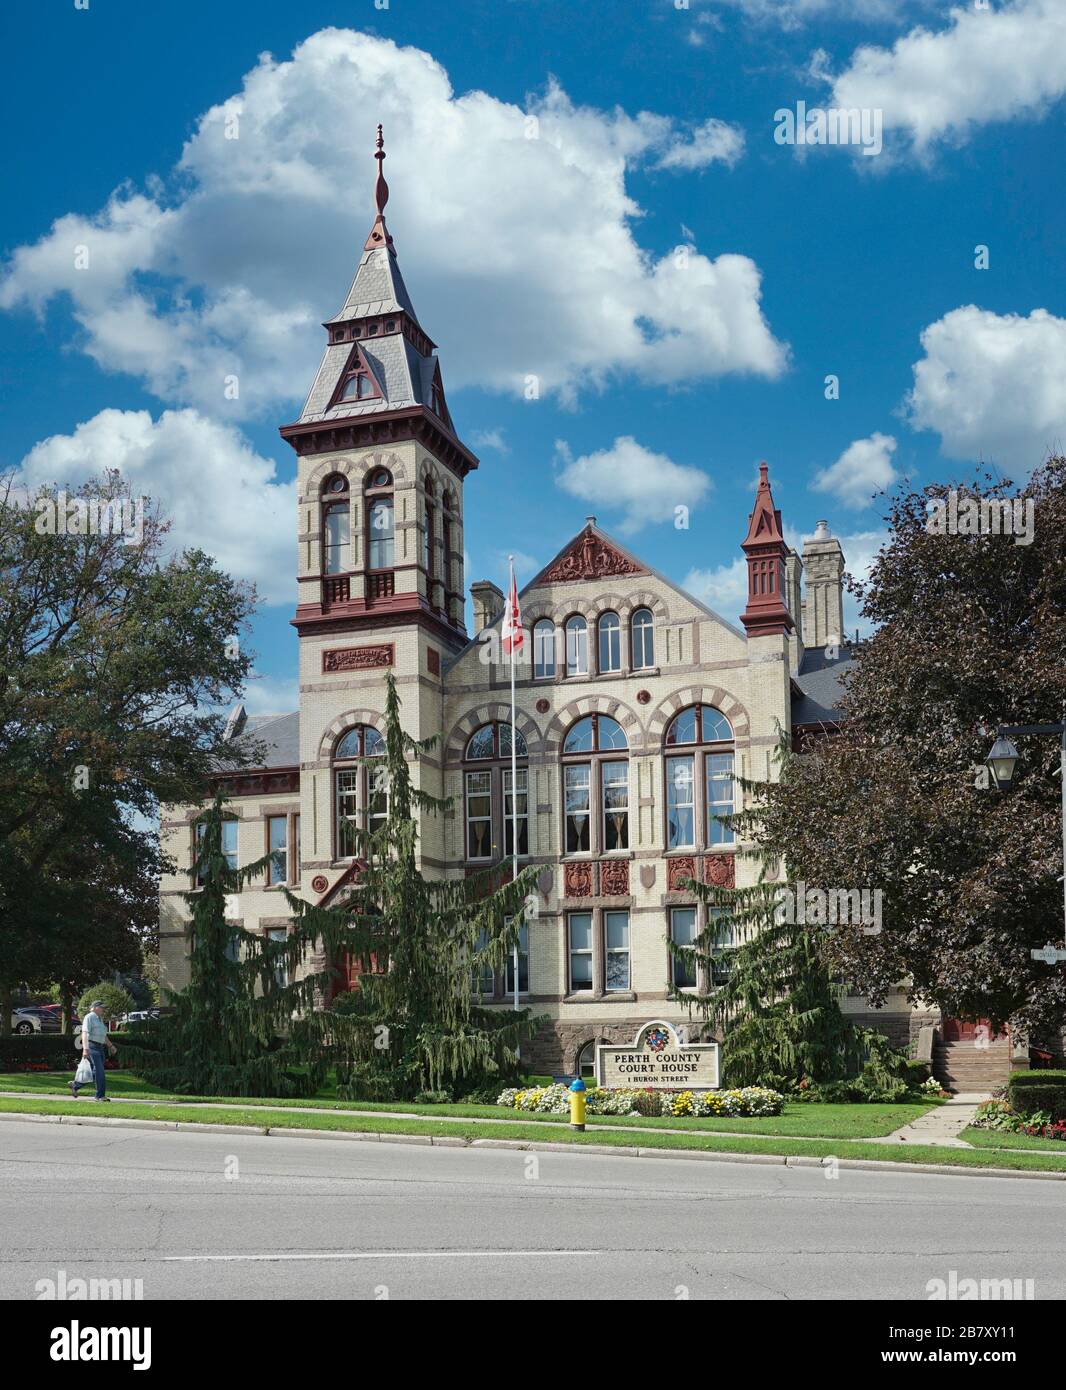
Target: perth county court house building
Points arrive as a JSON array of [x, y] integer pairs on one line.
[[637, 706]]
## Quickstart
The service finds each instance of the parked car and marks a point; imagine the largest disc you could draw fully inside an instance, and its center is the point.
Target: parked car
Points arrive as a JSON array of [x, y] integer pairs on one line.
[[50, 1016], [25, 1021], [139, 1015]]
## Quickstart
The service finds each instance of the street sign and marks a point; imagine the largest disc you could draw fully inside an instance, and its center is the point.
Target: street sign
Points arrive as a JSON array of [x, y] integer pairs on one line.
[[1049, 954]]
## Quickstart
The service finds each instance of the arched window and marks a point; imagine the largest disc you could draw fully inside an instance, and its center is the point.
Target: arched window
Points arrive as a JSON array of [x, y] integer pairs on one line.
[[428, 533], [360, 795], [610, 634], [489, 796], [358, 384], [544, 650], [577, 646], [585, 1066], [380, 521], [642, 639], [336, 524], [699, 784], [595, 776]]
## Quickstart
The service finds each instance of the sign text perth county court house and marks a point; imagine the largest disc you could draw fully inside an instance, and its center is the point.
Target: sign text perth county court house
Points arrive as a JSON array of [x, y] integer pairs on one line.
[[659, 1059]]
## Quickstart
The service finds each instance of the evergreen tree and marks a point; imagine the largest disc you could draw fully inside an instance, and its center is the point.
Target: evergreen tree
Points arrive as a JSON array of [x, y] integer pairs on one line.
[[777, 1006], [414, 1024], [245, 1025], [229, 1032]]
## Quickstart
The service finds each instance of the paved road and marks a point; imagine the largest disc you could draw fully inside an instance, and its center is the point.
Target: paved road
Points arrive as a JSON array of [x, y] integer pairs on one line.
[[358, 1220]]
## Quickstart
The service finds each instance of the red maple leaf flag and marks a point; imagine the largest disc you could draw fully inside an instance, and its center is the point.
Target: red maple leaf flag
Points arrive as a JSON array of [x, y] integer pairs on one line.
[[511, 634]]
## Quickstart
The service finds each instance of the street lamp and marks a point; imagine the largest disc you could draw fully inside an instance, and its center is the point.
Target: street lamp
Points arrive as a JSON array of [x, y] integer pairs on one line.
[[1002, 759]]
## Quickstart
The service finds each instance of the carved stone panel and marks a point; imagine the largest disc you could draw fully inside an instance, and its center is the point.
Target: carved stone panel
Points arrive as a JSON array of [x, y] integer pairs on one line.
[[589, 558], [614, 878], [720, 870], [679, 869], [578, 881], [357, 658]]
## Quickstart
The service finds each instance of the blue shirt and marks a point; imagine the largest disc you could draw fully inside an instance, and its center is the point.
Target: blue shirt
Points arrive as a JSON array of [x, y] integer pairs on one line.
[[94, 1028]]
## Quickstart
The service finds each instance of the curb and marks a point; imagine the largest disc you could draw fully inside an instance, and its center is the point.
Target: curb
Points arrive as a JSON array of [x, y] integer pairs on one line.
[[953, 1170]]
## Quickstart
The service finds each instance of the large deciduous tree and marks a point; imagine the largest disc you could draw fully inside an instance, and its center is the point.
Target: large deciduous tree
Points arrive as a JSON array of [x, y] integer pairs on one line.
[[969, 632]]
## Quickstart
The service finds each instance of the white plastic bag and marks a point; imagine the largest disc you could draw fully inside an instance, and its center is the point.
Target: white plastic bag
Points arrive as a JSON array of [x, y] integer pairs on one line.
[[84, 1075]]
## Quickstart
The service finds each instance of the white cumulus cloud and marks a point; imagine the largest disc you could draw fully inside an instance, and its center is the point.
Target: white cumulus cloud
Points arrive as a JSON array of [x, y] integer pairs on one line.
[[501, 216], [218, 493], [993, 386], [646, 486], [985, 65], [865, 467]]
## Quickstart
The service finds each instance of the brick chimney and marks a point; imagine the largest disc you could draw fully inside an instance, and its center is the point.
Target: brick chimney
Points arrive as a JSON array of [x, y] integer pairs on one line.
[[487, 599], [823, 606]]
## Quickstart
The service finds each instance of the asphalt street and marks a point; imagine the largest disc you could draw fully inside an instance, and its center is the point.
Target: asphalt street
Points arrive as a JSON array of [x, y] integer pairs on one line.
[[220, 1216]]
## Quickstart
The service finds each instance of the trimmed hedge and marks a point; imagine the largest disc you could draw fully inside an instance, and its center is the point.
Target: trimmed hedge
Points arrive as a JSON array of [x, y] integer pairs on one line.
[[38, 1052], [1029, 1091]]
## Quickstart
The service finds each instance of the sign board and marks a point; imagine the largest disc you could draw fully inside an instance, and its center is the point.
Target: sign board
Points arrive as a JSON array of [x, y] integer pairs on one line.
[[659, 1059], [1049, 954]]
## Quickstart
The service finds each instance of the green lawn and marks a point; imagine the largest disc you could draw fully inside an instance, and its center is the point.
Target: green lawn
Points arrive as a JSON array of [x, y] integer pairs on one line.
[[1001, 1139], [798, 1119], [524, 1131]]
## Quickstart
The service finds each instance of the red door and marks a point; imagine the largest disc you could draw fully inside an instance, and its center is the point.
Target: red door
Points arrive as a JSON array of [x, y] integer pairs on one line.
[[968, 1030]]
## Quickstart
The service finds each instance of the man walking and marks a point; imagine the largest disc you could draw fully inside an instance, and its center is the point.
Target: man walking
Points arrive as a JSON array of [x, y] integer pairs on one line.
[[93, 1041]]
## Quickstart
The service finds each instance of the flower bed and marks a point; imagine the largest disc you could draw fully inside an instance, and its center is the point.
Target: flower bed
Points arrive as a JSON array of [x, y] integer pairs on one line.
[[555, 1100], [998, 1115]]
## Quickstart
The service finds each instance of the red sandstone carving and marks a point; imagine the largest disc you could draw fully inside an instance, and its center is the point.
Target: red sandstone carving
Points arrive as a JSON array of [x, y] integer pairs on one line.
[[589, 558], [720, 870], [577, 881], [357, 658], [319, 883], [614, 878], [679, 869]]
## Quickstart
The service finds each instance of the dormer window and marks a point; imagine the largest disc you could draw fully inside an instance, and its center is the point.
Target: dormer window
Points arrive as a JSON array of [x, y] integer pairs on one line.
[[358, 386]]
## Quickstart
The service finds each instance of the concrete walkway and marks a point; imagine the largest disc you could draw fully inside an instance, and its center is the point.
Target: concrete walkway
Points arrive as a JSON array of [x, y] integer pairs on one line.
[[940, 1127]]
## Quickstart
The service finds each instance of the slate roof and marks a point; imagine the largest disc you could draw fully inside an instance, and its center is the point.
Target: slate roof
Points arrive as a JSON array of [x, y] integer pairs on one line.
[[819, 682], [403, 374], [281, 735]]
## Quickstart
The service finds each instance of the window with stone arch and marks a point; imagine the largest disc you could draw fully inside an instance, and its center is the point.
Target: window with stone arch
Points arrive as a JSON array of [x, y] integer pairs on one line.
[[380, 520], [595, 786], [360, 789], [609, 633], [544, 662], [700, 790], [642, 639], [336, 524], [489, 809], [577, 646], [429, 535]]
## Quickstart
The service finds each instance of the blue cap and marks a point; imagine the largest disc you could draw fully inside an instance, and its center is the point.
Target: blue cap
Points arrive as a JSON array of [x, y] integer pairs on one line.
[[578, 1085]]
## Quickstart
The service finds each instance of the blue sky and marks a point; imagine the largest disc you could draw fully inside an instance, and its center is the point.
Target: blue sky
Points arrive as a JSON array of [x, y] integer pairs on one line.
[[588, 194]]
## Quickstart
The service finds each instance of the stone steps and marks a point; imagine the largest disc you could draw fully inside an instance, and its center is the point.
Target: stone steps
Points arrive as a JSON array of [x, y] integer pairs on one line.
[[961, 1066]]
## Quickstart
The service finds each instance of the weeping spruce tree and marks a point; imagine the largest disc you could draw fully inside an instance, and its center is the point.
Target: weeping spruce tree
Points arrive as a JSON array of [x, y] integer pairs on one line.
[[777, 1007], [246, 1025]]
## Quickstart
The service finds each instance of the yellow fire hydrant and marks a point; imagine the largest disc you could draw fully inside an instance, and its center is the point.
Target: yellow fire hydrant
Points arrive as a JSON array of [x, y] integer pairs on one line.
[[577, 1104]]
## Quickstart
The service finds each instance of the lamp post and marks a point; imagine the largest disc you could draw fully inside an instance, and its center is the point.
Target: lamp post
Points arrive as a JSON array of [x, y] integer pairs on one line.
[[1003, 759]]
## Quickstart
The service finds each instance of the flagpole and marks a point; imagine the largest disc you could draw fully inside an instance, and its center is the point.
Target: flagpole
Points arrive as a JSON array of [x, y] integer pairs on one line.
[[514, 775]]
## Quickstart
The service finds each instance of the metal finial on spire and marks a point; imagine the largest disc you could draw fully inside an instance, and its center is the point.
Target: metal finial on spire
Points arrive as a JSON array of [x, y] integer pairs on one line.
[[381, 188]]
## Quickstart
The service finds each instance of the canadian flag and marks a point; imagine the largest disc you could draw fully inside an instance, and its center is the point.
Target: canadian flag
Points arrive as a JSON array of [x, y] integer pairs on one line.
[[511, 635]]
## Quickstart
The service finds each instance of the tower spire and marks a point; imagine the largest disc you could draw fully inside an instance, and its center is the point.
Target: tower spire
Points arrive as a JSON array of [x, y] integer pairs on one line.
[[766, 551], [379, 233]]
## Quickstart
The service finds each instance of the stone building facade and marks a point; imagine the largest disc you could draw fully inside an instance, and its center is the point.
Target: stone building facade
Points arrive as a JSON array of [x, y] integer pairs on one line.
[[637, 706]]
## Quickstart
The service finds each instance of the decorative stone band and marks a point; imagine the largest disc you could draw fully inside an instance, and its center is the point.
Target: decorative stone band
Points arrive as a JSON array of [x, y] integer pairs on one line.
[[358, 658]]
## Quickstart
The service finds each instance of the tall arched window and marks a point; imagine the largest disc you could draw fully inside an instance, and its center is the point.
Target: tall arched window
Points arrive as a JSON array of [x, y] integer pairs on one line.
[[577, 646], [609, 630], [336, 525], [360, 796], [428, 535], [489, 797], [380, 521], [544, 650], [595, 776], [642, 639], [699, 784]]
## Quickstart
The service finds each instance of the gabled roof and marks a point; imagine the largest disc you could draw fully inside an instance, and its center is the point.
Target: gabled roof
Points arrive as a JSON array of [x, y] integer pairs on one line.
[[820, 687], [280, 733]]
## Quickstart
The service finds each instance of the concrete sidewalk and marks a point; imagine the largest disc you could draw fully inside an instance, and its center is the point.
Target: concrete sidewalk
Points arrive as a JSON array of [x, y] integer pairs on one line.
[[940, 1127]]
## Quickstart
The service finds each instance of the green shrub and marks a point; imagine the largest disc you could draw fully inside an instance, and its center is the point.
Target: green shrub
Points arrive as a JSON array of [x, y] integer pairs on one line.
[[1038, 1090], [433, 1098], [648, 1103], [115, 1000], [38, 1052]]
